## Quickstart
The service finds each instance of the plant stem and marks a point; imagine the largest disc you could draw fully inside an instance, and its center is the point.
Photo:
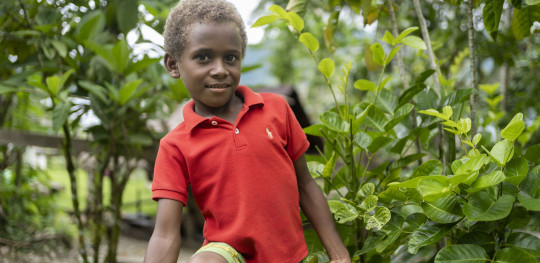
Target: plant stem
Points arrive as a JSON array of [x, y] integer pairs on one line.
[[470, 24], [431, 55]]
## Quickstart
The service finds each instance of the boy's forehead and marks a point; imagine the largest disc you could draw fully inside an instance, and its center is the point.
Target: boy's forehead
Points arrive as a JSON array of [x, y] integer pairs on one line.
[[226, 33]]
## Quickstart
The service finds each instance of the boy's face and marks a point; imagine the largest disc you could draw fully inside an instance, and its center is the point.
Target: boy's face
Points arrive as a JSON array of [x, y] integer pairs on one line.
[[210, 64]]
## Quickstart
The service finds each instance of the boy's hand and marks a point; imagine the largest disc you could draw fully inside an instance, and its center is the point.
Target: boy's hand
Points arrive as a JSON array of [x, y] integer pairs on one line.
[[341, 261]]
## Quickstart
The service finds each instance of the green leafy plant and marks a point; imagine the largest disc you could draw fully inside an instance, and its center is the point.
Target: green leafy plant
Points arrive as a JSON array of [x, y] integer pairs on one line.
[[354, 134], [467, 211]]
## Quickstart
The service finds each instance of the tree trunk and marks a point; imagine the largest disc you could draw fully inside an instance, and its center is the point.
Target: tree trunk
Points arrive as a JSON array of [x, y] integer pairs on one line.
[[403, 75], [474, 82], [74, 193]]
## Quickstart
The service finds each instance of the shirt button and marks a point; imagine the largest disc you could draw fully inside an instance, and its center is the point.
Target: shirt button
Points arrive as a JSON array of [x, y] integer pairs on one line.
[[236, 131], [214, 123]]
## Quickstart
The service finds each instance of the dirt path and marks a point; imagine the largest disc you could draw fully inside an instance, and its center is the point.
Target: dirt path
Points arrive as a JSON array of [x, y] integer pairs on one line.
[[131, 250]]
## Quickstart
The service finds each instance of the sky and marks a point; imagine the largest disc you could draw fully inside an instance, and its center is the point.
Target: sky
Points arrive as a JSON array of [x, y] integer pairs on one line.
[[245, 8]]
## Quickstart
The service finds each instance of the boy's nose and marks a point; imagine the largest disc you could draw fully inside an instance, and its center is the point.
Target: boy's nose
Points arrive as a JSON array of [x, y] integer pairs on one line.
[[219, 70]]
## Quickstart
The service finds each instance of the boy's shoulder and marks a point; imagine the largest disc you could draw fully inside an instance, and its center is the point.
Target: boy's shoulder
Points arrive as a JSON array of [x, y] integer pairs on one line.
[[273, 99]]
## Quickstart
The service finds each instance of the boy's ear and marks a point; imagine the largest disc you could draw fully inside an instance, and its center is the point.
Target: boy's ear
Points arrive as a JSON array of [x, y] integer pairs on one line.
[[171, 64]]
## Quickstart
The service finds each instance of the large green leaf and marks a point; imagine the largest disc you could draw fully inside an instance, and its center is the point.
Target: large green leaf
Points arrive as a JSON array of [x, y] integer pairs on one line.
[[127, 90], [428, 234], [265, 20], [484, 206], [433, 187], [343, 212], [127, 15], [309, 41], [462, 253], [368, 204], [378, 53], [378, 219], [297, 6], [434, 112], [327, 67], [409, 94], [366, 190], [516, 170], [523, 19], [405, 33], [60, 114], [529, 196], [528, 201], [463, 178], [316, 129], [431, 167], [443, 210], [329, 166], [394, 230], [518, 218], [120, 56], [378, 143], [296, 21], [474, 164], [514, 128], [502, 152], [486, 181], [392, 193], [529, 242], [413, 183], [414, 42], [363, 140], [334, 122], [91, 24], [404, 161], [533, 153], [492, 16], [513, 255], [377, 118], [95, 89], [278, 10], [482, 239], [458, 96], [400, 114], [364, 84], [142, 65]]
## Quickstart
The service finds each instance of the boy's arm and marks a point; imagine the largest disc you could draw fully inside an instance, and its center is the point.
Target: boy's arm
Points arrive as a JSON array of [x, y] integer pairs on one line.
[[315, 207], [164, 245]]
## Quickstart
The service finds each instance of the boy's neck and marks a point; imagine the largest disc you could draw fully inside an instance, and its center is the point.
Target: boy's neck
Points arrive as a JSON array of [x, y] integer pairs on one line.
[[228, 112]]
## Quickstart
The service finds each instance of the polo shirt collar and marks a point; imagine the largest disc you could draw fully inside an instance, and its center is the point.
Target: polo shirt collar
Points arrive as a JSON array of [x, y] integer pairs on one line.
[[192, 119]]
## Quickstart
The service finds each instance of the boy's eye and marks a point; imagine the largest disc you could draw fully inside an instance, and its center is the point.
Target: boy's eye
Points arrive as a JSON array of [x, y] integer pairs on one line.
[[230, 58], [202, 57]]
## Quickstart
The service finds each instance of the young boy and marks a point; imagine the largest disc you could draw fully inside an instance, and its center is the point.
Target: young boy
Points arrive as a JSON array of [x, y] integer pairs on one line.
[[241, 152]]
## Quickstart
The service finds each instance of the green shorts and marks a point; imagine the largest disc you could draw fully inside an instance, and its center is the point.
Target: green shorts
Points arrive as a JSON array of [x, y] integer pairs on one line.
[[224, 250]]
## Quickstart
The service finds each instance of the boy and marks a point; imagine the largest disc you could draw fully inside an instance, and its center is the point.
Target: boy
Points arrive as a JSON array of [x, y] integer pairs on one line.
[[241, 152]]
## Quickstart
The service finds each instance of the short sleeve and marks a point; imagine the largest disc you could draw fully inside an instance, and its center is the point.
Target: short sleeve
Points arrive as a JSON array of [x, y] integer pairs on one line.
[[297, 143], [170, 174]]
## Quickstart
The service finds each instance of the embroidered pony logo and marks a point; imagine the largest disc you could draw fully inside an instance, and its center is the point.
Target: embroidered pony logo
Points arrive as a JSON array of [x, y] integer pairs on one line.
[[269, 134]]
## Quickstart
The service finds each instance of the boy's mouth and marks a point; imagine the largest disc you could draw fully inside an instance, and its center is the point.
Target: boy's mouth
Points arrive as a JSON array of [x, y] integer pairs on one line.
[[218, 86]]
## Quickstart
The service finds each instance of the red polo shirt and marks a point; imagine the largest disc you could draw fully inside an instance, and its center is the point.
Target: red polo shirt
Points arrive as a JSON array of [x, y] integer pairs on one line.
[[242, 176]]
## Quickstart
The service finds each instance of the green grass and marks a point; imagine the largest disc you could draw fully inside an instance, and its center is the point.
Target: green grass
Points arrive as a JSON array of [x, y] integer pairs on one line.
[[138, 188]]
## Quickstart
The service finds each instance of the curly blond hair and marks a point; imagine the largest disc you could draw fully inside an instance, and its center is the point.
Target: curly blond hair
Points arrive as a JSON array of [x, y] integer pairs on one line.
[[188, 12]]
